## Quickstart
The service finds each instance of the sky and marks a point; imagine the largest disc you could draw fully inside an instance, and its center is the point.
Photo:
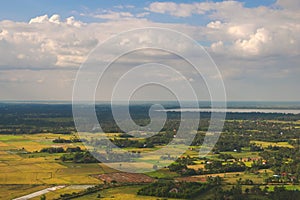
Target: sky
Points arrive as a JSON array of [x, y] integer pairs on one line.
[[255, 45]]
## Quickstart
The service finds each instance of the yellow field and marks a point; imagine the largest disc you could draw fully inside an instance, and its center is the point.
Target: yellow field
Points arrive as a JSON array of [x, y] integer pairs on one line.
[[196, 167], [266, 144], [41, 168], [33, 142]]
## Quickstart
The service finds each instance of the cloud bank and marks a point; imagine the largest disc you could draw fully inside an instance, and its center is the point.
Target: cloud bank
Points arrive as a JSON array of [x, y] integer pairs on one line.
[[259, 44]]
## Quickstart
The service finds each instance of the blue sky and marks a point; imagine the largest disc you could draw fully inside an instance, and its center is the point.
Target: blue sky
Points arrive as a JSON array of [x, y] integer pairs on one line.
[[254, 43], [26, 9]]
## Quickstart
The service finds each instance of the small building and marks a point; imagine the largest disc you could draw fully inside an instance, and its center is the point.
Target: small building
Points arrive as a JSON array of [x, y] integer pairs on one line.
[[174, 190]]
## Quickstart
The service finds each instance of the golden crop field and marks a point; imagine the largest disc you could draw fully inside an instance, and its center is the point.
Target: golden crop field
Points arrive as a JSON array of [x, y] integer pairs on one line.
[[266, 144], [40, 168]]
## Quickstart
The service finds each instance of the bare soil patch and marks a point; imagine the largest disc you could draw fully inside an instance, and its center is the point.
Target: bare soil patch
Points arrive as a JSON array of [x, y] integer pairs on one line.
[[122, 177]]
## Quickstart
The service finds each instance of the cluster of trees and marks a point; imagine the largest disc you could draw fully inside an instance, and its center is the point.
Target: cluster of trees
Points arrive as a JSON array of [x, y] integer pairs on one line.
[[87, 191], [60, 150], [229, 142], [79, 157], [264, 130], [35, 118], [124, 143], [35, 130], [52, 150], [211, 167], [225, 157], [171, 189], [220, 167], [254, 147], [180, 166], [255, 192], [285, 162], [62, 140], [87, 157], [57, 118], [281, 193], [182, 169], [236, 135], [259, 164]]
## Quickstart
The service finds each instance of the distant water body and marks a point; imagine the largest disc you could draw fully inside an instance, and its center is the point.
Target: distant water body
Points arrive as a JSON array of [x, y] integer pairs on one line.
[[202, 104], [244, 107], [236, 110]]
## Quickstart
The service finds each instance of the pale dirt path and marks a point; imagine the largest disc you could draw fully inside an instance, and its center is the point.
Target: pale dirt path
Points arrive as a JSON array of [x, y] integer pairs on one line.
[[41, 192]]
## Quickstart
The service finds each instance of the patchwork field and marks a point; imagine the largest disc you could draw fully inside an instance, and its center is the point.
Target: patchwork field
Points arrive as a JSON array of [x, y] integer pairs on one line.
[[24, 169], [18, 166]]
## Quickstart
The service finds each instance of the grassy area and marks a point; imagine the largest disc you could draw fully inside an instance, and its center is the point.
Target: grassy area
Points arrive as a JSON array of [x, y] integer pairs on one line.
[[120, 193], [288, 187], [163, 173], [40, 168], [34, 142], [266, 144], [243, 154]]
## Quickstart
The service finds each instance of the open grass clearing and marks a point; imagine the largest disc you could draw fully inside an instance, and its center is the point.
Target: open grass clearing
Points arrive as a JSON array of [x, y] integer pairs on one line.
[[266, 144], [119, 193], [163, 173], [288, 187], [243, 154]]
